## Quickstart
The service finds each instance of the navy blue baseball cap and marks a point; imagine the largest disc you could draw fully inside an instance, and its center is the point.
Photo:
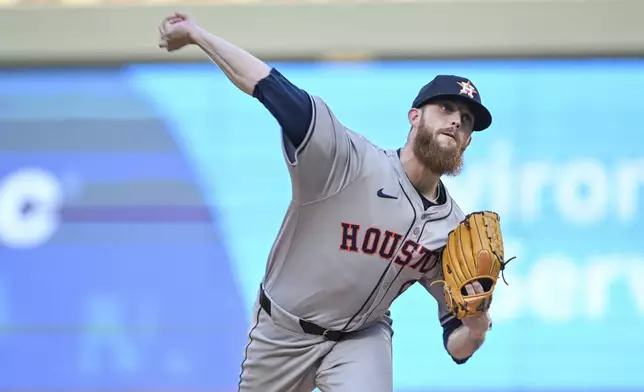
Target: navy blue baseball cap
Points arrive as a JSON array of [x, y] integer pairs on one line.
[[455, 87]]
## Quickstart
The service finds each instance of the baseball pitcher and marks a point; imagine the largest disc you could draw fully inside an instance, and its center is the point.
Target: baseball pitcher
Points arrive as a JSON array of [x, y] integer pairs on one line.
[[364, 224]]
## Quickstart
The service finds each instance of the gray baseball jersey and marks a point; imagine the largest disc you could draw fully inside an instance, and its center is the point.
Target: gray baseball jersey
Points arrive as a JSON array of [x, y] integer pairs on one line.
[[355, 236], [356, 233]]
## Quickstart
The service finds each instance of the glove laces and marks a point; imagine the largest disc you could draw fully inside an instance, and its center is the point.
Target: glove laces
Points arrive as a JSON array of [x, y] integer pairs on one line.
[[503, 264]]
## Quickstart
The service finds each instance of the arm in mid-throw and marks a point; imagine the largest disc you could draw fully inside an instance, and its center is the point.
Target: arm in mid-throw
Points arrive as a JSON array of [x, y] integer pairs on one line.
[[289, 105], [242, 68]]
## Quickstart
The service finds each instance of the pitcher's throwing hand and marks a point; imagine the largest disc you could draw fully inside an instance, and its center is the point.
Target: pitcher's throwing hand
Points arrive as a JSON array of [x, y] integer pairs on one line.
[[177, 31]]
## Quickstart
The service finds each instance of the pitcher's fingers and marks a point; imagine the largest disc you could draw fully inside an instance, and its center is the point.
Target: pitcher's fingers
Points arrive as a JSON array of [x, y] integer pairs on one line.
[[478, 288], [175, 19], [163, 27]]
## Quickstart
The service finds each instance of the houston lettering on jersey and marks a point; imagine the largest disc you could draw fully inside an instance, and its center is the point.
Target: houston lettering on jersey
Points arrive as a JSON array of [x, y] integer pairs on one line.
[[384, 243]]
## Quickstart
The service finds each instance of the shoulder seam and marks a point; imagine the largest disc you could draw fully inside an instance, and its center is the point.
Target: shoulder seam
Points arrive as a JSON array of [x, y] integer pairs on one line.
[[308, 136], [349, 183]]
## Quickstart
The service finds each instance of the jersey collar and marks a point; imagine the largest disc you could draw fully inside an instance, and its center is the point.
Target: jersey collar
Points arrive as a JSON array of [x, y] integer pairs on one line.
[[435, 211]]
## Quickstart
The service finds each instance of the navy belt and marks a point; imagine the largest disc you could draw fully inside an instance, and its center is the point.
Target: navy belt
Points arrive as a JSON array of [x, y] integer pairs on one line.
[[307, 326]]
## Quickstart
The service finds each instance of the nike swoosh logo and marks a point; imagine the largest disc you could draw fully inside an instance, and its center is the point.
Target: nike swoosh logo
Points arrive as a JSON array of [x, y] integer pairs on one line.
[[384, 195]]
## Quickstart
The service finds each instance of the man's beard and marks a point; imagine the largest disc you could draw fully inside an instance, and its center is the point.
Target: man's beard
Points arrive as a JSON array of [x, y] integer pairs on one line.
[[440, 160]]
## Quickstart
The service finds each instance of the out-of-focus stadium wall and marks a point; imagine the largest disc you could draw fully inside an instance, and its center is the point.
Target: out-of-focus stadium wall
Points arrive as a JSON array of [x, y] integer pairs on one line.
[[73, 31]]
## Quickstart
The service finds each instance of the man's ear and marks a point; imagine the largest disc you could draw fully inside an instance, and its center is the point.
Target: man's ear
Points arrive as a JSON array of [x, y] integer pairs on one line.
[[414, 115]]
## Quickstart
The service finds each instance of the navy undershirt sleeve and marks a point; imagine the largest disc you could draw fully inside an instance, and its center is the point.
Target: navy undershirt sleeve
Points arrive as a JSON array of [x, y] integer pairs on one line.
[[289, 105], [448, 328]]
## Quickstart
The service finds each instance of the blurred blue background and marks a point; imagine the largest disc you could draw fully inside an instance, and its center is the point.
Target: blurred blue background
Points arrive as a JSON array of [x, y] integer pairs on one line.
[[138, 205]]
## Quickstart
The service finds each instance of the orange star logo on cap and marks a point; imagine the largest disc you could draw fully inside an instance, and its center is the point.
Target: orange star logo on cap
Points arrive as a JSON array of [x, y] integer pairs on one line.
[[467, 89]]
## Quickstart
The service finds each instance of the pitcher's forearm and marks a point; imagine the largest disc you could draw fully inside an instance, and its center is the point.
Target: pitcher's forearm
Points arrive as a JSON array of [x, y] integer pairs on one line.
[[242, 68], [462, 343]]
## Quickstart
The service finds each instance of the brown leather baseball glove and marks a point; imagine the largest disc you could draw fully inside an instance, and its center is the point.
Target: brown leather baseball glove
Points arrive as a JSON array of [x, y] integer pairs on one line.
[[474, 252]]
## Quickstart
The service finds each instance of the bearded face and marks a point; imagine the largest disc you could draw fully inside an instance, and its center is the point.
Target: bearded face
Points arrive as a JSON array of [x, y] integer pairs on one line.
[[440, 149]]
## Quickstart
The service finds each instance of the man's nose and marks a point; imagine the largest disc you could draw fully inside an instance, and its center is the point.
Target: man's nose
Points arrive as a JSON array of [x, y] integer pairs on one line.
[[455, 119]]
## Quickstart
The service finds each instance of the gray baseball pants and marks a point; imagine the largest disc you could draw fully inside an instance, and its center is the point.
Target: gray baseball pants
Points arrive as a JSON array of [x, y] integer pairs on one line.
[[280, 357]]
